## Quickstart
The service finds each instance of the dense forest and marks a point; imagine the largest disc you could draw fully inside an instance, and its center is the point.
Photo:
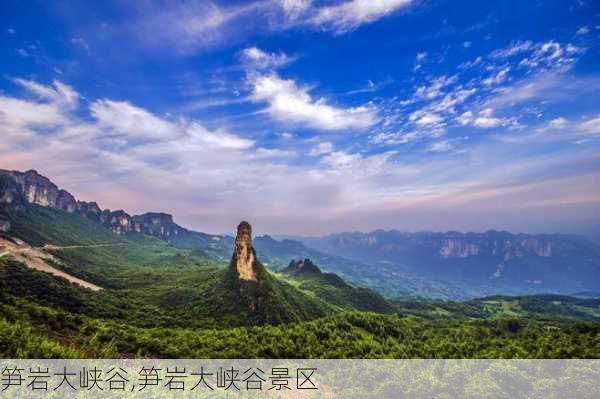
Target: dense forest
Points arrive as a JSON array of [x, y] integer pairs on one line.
[[163, 302]]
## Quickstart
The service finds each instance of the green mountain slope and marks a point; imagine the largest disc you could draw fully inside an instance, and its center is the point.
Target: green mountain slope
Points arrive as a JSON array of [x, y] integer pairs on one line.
[[145, 275], [333, 289], [158, 300]]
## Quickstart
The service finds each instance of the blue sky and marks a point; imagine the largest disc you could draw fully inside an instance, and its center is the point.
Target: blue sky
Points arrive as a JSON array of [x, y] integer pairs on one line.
[[309, 117]]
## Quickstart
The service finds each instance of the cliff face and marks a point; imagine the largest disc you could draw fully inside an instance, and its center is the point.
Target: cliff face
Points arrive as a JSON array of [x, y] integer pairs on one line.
[[508, 247], [19, 188], [157, 224], [450, 245], [39, 190], [244, 255]]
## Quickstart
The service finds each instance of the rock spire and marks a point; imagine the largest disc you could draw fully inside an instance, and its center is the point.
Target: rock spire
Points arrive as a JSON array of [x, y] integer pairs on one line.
[[244, 254]]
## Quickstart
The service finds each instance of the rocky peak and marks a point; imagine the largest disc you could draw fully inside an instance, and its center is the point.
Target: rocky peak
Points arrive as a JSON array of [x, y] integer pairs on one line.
[[119, 222], [244, 255], [90, 210], [17, 189], [11, 195], [302, 267], [39, 190], [158, 224]]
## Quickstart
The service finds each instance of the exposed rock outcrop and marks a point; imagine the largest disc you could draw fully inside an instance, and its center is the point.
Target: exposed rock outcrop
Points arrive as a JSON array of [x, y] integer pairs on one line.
[[157, 224], [250, 279], [90, 210], [39, 190], [20, 188], [457, 248], [244, 256], [11, 194], [302, 268]]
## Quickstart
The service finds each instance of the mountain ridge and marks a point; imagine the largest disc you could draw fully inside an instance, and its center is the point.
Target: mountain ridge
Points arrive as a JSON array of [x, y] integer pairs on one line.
[[440, 264]]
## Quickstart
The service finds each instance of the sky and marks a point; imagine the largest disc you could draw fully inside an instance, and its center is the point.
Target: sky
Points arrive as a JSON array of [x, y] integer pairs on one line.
[[311, 117]]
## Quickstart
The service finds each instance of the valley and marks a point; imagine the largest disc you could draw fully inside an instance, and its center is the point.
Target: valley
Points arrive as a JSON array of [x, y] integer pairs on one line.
[[168, 292]]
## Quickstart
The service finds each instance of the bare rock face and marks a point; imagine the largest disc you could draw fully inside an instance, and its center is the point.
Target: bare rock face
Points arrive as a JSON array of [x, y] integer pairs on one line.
[[40, 190], [302, 268], [157, 224], [244, 253], [458, 248]]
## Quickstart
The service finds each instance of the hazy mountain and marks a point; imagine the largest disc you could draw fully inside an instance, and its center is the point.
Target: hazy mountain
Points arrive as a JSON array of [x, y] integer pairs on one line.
[[73, 284], [489, 262], [444, 265]]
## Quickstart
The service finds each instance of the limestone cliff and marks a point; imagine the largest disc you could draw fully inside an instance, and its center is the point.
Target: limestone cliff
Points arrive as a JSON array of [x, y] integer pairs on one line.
[[39, 190], [157, 224], [250, 279], [20, 188], [244, 256]]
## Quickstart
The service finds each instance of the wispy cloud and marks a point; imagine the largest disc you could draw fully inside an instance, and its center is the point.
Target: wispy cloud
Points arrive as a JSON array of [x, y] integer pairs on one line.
[[190, 27], [289, 102], [259, 59], [351, 14]]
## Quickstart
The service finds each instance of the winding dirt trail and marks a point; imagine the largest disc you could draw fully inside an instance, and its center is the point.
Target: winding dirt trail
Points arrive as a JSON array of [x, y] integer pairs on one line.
[[37, 258], [53, 247]]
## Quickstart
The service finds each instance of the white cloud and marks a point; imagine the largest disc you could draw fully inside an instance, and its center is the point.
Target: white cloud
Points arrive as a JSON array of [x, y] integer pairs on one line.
[[60, 94], [466, 118], [583, 30], [467, 44], [419, 60], [290, 103], [257, 58], [471, 64], [123, 118], [498, 78], [356, 163], [435, 88], [265, 153], [322, 148], [487, 122], [351, 14], [396, 138], [453, 99], [190, 27], [513, 49], [558, 123], [591, 126], [294, 8], [484, 119], [440, 146], [16, 113], [218, 138], [552, 54], [426, 118]]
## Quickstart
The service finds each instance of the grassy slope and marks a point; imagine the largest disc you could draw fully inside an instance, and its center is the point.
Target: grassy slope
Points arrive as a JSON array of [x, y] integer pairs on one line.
[[144, 275], [145, 310]]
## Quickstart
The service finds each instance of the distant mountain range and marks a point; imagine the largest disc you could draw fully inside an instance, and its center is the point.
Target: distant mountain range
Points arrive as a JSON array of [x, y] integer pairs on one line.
[[442, 265], [489, 262]]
